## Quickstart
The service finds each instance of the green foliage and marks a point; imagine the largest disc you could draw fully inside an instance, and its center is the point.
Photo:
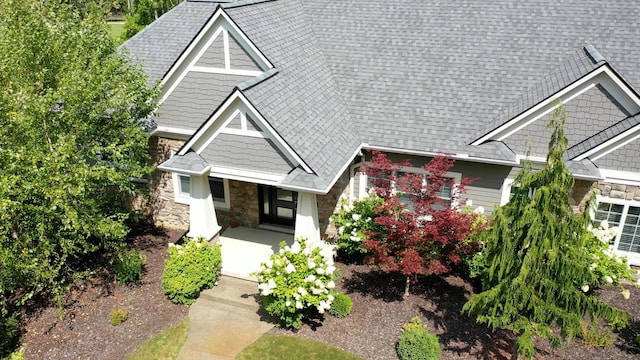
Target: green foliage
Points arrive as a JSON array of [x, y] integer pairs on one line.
[[70, 142], [118, 316], [606, 267], [595, 335], [353, 222], [296, 282], [417, 343], [128, 266], [163, 346], [341, 305], [16, 355], [9, 327], [191, 268], [284, 347], [536, 259], [145, 12]]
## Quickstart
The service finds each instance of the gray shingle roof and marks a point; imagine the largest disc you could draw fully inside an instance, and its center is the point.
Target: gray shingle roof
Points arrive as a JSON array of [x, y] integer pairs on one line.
[[421, 76], [190, 163], [159, 45]]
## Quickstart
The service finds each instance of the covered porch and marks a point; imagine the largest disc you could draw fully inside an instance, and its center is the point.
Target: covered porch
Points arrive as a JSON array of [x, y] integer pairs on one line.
[[244, 248]]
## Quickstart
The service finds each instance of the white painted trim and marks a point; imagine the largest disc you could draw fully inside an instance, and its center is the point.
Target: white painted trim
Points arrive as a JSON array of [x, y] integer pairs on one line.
[[603, 76], [246, 175], [505, 195], [227, 55], [179, 196], [225, 24], [243, 105], [226, 204], [611, 145], [534, 159], [633, 258], [183, 171], [249, 133], [542, 112], [171, 130], [213, 70], [621, 177]]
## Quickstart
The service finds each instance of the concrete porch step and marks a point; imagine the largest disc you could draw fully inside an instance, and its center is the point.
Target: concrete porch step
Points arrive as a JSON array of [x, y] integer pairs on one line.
[[234, 292]]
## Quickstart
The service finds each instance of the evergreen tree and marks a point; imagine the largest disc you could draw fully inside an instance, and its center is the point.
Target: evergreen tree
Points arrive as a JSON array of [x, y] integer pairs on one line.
[[536, 263]]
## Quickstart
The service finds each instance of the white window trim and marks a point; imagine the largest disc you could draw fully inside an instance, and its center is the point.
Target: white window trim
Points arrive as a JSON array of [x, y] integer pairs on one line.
[[181, 197], [457, 178], [226, 204], [633, 258], [506, 191]]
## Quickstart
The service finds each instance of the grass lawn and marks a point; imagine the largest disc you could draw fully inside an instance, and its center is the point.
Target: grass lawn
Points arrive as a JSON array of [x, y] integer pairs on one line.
[[276, 347], [116, 28], [163, 346]]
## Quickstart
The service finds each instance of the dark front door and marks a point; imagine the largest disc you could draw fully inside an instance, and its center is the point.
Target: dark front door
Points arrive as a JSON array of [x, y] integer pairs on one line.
[[277, 206]]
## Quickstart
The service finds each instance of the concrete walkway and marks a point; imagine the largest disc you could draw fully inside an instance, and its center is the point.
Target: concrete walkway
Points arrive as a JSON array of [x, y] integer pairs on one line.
[[224, 320]]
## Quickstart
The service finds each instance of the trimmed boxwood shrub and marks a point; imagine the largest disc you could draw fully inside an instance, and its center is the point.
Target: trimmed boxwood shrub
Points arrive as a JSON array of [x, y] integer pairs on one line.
[[191, 268], [341, 305], [417, 343]]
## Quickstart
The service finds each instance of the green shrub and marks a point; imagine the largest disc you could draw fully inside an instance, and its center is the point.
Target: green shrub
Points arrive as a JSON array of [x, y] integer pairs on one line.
[[128, 266], [118, 316], [354, 221], [296, 282], [341, 305], [191, 268], [417, 343], [9, 326], [595, 335], [16, 355]]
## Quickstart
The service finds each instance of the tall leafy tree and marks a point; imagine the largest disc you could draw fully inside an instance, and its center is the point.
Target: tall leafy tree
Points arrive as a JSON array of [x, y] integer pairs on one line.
[[70, 141], [424, 232], [536, 258]]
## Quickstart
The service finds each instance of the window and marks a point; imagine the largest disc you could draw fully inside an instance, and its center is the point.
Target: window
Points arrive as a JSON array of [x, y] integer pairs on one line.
[[624, 214], [219, 190], [445, 193]]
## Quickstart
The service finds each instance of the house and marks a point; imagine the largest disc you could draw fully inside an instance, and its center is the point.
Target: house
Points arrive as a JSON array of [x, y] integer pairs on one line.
[[269, 108]]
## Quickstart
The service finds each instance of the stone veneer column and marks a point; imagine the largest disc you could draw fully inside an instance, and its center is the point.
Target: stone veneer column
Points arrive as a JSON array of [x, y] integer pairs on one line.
[[307, 218], [202, 213]]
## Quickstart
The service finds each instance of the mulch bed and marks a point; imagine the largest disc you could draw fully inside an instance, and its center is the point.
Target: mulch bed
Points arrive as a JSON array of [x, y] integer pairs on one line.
[[370, 331], [84, 331]]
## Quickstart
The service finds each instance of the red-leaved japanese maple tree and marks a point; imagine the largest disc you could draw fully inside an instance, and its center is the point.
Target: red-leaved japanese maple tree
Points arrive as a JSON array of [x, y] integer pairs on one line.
[[425, 233]]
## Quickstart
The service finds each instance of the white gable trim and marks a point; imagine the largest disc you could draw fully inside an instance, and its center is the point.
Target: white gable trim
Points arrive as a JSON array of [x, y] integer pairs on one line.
[[603, 76], [219, 23], [217, 123], [611, 145]]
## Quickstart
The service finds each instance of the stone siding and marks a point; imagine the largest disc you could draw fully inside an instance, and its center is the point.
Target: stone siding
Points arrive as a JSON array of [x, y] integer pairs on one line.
[[329, 204], [244, 205], [164, 210], [580, 195], [619, 191]]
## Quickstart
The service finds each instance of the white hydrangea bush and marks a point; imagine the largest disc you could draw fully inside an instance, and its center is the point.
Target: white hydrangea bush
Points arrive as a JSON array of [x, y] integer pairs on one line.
[[296, 282], [607, 267]]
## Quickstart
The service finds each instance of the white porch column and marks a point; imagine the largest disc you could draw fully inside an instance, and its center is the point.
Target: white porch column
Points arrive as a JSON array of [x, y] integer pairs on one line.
[[202, 214], [307, 224]]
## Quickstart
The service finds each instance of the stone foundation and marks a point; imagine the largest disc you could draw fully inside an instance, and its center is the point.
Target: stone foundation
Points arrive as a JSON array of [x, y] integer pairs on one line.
[[164, 211], [329, 204], [244, 206]]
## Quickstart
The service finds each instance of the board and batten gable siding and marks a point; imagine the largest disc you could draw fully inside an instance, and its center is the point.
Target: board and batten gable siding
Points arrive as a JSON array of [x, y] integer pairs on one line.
[[485, 191]]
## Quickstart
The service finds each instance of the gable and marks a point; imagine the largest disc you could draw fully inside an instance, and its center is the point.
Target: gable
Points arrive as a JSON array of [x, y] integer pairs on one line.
[[588, 113], [220, 47], [238, 143], [624, 158]]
